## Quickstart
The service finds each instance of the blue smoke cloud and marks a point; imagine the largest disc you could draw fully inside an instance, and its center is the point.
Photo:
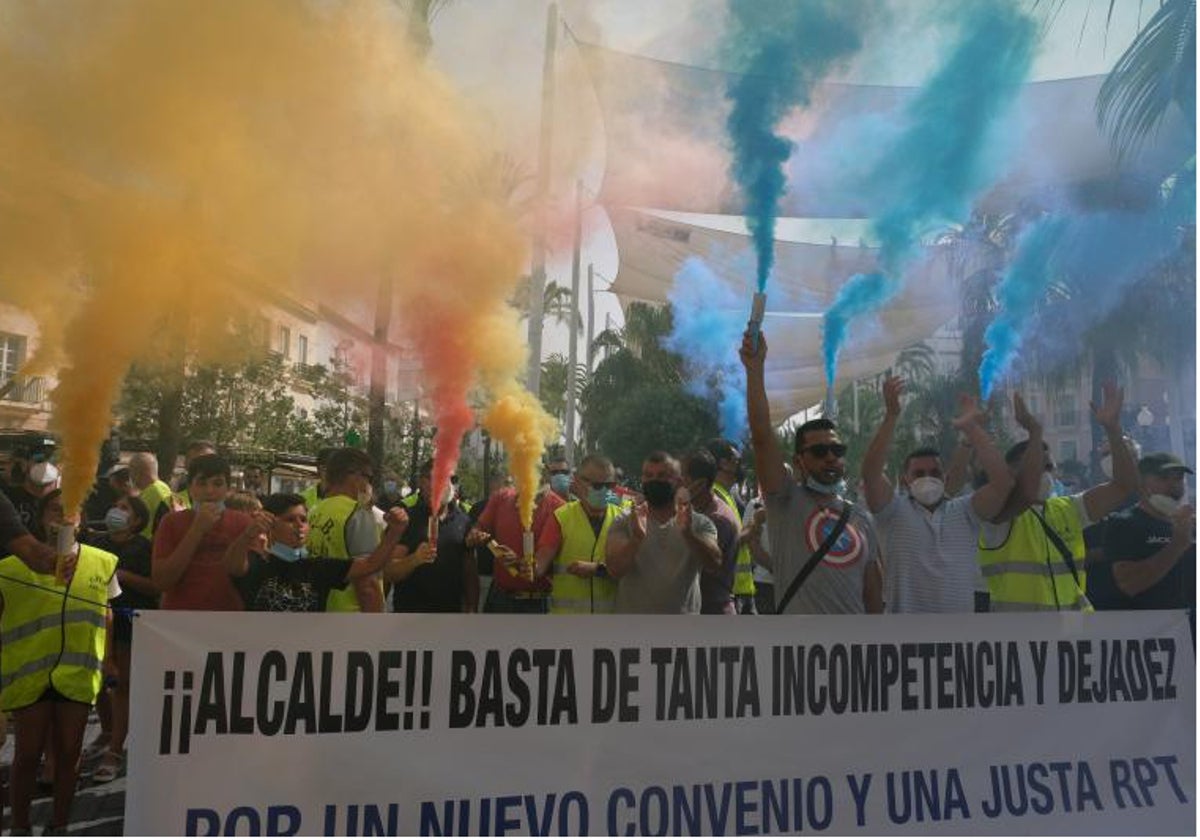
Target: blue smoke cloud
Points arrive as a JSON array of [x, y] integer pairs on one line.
[[780, 49], [943, 158], [708, 323], [1097, 256], [1018, 294]]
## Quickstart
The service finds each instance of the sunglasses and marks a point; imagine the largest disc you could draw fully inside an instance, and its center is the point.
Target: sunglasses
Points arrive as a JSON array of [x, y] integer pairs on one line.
[[820, 450]]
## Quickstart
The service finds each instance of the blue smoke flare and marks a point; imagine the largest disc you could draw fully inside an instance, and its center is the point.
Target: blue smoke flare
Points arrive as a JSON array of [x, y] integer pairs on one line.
[[707, 327], [945, 155], [780, 49]]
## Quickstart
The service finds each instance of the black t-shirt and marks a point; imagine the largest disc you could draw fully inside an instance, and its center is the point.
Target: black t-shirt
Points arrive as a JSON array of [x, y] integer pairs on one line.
[[438, 586], [274, 585], [133, 555], [11, 526], [1133, 535]]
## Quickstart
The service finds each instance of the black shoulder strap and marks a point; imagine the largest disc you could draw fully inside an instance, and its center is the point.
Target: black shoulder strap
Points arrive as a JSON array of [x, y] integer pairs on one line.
[[1054, 538], [817, 557]]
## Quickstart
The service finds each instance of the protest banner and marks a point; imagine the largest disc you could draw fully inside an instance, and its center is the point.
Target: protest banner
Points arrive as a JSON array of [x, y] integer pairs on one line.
[[257, 723]]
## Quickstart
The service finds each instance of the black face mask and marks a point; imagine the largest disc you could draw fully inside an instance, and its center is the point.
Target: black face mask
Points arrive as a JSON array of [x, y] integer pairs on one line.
[[658, 493]]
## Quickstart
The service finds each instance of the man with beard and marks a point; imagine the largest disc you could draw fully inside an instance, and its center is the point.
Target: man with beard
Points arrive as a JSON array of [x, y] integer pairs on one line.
[[809, 513], [658, 550]]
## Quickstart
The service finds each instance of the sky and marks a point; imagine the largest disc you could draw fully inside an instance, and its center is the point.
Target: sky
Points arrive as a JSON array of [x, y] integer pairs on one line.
[[493, 51]]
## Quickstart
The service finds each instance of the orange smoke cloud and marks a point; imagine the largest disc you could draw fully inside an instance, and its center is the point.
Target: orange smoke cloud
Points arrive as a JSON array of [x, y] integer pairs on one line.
[[174, 161]]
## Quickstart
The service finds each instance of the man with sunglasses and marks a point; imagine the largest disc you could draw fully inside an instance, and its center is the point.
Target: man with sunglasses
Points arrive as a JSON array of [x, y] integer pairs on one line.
[[571, 547], [803, 512], [930, 540]]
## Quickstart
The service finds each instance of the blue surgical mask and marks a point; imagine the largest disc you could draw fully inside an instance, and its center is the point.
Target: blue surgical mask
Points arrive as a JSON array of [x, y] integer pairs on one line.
[[116, 520], [597, 497], [389, 487], [825, 489], [561, 484], [287, 553]]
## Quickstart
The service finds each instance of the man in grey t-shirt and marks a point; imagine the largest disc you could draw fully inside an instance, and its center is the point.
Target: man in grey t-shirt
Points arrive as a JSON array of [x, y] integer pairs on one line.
[[657, 550], [802, 512]]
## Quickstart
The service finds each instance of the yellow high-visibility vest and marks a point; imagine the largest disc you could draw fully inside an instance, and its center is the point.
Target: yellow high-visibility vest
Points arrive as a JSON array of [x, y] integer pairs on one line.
[[569, 593], [49, 639], [327, 538], [1027, 572], [743, 577]]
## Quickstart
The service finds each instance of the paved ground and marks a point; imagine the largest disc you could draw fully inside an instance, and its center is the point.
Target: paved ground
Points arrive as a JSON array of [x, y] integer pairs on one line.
[[98, 810]]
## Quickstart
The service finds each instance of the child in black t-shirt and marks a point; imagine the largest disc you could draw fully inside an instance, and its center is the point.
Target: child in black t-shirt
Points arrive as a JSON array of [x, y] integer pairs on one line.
[[285, 578]]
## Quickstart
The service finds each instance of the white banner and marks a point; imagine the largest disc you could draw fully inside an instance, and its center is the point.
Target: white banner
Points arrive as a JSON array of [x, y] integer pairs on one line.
[[254, 723]]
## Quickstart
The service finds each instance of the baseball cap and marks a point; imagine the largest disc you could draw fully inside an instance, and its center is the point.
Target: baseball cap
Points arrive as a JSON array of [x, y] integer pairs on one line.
[[1157, 463], [116, 469]]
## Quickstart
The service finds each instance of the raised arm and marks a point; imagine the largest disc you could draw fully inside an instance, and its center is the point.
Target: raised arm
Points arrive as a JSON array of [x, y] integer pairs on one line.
[[237, 555], [988, 501], [1104, 498], [397, 523], [768, 459], [879, 490]]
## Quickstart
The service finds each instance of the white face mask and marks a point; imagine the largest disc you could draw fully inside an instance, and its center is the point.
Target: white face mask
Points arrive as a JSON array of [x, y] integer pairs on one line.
[[1106, 466], [1165, 505], [1046, 487], [927, 490]]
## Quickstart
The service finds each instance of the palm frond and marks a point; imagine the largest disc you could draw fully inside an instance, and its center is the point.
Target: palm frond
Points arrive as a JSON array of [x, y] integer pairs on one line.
[[1156, 71]]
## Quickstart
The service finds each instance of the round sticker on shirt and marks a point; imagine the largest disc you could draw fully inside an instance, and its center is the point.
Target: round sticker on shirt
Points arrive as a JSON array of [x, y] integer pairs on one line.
[[848, 548]]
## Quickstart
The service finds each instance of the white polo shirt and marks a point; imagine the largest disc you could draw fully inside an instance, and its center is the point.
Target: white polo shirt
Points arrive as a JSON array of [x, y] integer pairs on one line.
[[930, 556]]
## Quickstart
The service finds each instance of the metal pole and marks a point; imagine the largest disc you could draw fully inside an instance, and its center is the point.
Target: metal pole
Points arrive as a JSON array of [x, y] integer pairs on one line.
[[573, 344], [537, 272], [591, 319]]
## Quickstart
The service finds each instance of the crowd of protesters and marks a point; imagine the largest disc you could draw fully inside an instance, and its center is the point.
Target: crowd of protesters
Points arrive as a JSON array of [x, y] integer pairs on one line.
[[693, 537]]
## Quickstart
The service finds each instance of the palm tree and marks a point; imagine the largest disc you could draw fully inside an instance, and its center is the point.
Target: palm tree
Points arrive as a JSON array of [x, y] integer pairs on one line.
[[556, 302], [1156, 71]]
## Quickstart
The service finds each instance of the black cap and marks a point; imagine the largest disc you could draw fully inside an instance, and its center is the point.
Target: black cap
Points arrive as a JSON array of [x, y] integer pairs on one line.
[[1157, 463]]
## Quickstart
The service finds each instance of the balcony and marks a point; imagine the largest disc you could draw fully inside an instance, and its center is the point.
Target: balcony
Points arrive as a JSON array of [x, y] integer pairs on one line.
[[26, 390]]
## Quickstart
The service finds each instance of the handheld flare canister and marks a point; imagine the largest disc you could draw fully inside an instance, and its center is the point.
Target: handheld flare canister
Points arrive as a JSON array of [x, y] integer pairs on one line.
[[527, 553], [66, 542], [432, 533], [758, 308]]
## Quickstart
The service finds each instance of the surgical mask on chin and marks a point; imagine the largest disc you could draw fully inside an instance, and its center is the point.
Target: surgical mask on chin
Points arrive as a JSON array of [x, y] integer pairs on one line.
[[927, 490], [288, 553], [1045, 487], [1106, 466], [116, 520], [1166, 505], [561, 485], [825, 489]]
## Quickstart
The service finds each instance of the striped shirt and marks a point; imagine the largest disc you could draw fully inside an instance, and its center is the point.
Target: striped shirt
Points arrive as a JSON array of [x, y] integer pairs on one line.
[[931, 565]]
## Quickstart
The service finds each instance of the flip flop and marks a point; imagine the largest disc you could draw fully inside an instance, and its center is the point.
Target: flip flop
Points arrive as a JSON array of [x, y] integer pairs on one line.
[[112, 765]]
